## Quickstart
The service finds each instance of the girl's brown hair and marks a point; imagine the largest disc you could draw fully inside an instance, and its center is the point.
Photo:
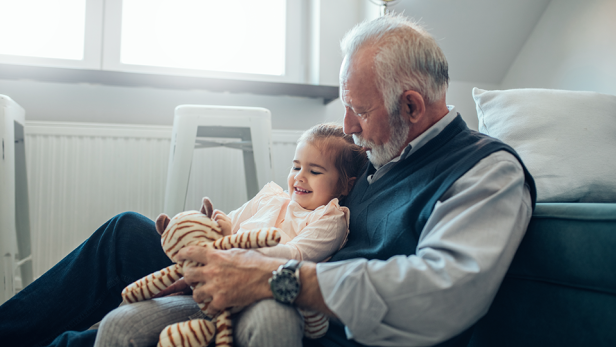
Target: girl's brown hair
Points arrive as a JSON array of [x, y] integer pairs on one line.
[[348, 157]]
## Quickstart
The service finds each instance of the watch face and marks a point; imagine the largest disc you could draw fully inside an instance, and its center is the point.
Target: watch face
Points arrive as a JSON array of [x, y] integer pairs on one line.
[[285, 287]]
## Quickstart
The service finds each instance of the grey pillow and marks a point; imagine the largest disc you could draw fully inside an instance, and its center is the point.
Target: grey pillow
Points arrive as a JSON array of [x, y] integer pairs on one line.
[[567, 139]]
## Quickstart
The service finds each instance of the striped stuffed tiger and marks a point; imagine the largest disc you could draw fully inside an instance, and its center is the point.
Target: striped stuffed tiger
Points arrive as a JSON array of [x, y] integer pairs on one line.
[[193, 228]]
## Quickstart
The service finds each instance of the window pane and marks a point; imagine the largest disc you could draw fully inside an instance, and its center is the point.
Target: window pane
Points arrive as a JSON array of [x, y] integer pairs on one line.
[[43, 28], [244, 36]]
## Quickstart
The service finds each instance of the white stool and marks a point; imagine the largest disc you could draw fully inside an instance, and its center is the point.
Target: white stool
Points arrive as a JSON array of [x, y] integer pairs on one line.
[[15, 246], [191, 122]]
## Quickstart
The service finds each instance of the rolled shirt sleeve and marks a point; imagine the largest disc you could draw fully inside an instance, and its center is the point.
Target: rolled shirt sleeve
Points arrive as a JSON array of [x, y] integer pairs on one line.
[[462, 256]]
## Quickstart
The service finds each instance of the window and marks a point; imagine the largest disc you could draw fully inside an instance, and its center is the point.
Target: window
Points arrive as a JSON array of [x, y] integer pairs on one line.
[[63, 33], [193, 34], [240, 39], [55, 29]]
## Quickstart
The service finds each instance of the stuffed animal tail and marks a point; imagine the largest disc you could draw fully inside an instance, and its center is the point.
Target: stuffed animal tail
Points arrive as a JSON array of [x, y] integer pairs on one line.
[[198, 332], [191, 333], [224, 330], [152, 284], [264, 237], [315, 324]]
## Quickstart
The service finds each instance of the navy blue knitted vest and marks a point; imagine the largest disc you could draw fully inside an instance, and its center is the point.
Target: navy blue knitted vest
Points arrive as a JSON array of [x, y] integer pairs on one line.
[[387, 217]]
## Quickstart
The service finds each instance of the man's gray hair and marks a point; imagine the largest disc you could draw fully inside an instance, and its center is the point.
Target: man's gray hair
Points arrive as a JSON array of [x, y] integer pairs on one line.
[[408, 58]]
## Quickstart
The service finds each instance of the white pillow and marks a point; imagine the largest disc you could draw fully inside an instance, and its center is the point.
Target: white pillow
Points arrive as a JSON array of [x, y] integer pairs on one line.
[[566, 139]]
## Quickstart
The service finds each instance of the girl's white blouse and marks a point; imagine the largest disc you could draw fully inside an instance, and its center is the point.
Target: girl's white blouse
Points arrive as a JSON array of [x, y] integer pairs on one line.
[[312, 235]]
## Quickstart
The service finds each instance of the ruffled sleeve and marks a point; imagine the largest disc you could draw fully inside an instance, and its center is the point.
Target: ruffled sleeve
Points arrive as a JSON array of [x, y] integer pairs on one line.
[[320, 233]]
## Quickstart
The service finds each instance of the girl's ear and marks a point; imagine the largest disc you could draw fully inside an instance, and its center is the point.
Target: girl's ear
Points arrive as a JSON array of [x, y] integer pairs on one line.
[[349, 186]]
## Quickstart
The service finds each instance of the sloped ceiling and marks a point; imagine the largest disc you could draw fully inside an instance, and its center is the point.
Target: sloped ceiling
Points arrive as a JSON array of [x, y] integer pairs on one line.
[[481, 38]]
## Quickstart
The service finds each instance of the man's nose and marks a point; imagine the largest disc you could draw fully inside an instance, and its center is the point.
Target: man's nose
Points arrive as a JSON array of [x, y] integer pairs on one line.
[[350, 124]]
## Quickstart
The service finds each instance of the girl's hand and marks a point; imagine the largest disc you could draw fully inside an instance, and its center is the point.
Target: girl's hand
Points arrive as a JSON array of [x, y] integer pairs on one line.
[[224, 221]]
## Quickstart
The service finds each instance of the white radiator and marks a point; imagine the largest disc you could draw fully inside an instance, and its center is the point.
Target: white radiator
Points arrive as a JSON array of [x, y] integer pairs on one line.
[[82, 174]]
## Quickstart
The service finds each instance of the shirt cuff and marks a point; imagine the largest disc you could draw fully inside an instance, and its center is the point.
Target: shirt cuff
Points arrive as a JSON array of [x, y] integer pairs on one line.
[[348, 291]]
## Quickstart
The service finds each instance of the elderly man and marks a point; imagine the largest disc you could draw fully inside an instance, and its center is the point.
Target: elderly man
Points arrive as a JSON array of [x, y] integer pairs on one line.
[[435, 219]]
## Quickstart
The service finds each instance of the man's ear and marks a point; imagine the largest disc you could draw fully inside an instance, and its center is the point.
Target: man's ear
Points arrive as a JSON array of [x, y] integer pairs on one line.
[[413, 106], [161, 223], [349, 186]]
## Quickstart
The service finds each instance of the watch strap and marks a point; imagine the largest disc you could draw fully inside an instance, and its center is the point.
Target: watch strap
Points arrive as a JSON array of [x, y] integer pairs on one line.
[[293, 265]]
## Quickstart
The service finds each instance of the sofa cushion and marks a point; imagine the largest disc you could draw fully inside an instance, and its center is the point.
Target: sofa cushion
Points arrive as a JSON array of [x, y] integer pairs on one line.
[[566, 139]]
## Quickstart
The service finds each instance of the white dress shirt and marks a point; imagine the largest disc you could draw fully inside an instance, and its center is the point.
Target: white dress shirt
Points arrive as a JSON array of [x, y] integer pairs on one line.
[[462, 256]]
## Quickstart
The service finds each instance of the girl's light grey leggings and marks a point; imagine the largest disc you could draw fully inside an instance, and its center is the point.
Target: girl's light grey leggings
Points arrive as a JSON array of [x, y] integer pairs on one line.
[[265, 323]]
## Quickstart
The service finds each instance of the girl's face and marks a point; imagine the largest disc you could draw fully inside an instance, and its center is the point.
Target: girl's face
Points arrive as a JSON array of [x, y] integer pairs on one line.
[[313, 178]]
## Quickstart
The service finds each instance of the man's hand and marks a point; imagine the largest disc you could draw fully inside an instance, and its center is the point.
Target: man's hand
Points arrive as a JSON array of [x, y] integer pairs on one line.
[[234, 277], [224, 221]]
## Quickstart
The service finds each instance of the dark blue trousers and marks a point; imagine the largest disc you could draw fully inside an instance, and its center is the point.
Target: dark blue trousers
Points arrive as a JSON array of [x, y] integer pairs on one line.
[[58, 308]]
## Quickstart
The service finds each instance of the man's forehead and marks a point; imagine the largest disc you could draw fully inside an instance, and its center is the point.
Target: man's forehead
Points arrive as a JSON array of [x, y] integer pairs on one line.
[[345, 96], [356, 88]]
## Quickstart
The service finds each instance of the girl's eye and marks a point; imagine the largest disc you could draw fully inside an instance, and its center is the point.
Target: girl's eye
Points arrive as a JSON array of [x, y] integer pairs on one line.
[[315, 172], [295, 168]]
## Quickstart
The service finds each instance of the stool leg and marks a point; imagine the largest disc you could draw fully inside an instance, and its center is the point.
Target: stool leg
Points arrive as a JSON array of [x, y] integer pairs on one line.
[[180, 161]]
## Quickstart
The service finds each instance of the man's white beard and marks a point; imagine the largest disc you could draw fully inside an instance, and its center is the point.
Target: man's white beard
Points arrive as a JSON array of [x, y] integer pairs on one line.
[[380, 155]]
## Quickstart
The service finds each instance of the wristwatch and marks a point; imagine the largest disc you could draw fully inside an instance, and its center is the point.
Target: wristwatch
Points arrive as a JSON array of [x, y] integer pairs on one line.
[[285, 282]]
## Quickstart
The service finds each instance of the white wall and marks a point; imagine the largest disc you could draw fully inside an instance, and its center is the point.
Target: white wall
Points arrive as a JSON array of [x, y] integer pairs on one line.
[[573, 47], [330, 20], [46, 101], [460, 95]]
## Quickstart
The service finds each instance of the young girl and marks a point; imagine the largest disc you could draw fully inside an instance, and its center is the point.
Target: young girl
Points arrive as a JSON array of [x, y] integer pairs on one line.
[[313, 226]]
